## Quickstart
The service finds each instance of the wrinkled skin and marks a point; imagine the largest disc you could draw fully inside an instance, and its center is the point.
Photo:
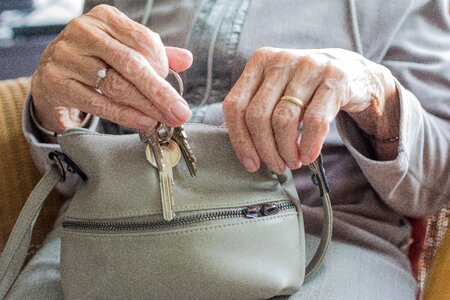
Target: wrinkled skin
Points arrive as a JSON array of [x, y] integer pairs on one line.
[[135, 93], [261, 127], [326, 80]]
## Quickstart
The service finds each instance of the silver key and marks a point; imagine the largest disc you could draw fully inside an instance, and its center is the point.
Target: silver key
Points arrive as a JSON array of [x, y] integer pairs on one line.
[[180, 136], [152, 139], [171, 154]]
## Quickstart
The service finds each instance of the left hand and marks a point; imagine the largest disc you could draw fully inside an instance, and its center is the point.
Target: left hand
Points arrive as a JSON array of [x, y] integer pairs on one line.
[[261, 127]]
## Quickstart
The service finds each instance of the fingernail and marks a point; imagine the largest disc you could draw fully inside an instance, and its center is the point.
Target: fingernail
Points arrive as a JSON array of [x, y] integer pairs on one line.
[[295, 165], [305, 155], [185, 102], [249, 164], [281, 169], [180, 111], [145, 121]]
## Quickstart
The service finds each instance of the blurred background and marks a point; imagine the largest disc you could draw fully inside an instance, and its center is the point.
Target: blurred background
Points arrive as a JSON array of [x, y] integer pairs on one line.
[[26, 27]]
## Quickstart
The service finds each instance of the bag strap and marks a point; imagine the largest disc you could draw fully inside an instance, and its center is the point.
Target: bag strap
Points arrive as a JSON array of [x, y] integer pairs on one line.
[[16, 248], [318, 177]]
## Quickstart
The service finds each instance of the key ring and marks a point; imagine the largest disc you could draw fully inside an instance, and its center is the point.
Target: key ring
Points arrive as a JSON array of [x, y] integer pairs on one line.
[[167, 136], [163, 131]]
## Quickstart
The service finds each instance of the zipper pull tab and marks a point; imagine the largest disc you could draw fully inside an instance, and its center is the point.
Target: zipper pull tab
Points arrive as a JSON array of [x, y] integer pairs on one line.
[[251, 212], [270, 209]]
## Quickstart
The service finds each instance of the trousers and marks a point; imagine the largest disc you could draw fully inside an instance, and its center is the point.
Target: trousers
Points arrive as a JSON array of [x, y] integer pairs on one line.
[[348, 272]]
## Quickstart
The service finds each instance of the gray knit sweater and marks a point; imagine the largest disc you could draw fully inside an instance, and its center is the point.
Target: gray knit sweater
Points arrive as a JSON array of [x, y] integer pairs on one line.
[[371, 199]]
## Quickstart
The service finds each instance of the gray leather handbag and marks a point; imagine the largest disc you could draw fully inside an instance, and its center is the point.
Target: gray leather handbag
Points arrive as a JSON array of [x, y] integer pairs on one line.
[[235, 235]]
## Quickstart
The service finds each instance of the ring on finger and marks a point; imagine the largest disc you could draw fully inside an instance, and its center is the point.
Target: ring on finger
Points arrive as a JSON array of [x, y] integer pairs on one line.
[[294, 100], [101, 74]]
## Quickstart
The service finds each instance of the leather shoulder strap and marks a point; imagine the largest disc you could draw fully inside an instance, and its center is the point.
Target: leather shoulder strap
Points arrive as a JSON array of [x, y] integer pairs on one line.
[[320, 180], [16, 248]]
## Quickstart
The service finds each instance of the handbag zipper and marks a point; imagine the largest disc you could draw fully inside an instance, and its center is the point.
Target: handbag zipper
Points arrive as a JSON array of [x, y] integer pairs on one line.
[[250, 212]]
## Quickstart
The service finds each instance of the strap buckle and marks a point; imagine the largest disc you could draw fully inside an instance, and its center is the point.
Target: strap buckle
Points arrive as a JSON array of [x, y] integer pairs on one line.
[[61, 160]]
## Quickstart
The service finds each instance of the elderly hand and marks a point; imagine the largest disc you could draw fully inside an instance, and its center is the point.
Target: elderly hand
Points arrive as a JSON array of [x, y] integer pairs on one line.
[[261, 127], [134, 91]]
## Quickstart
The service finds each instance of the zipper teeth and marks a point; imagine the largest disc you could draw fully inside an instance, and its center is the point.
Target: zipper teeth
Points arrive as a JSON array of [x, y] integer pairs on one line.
[[187, 220]]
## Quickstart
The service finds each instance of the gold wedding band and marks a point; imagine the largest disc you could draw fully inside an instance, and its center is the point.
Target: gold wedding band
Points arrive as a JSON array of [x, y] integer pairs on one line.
[[294, 100]]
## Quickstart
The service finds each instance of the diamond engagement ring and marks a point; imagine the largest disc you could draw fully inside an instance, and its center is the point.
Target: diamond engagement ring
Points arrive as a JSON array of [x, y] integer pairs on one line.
[[101, 74]]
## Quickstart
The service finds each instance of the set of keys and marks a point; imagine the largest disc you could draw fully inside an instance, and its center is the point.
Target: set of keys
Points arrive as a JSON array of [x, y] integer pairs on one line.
[[164, 152], [165, 145]]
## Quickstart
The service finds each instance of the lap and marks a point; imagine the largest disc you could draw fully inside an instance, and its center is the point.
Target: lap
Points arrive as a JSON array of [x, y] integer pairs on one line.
[[348, 272], [40, 279]]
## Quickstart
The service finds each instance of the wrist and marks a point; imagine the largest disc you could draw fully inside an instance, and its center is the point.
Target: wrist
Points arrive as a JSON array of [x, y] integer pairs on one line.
[[381, 119], [380, 122], [66, 118], [43, 111]]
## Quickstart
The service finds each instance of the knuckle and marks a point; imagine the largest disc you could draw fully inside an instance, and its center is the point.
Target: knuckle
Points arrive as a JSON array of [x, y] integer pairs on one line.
[[283, 117], [49, 74], [154, 35], [307, 61], [75, 23], [328, 70], [133, 63], [115, 86], [255, 116], [60, 51], [162, 92], [318, 122], [121, 115], [282, 56], [143, 34], [77, 28], [333, 70], [231, 106], [99, 43], [73, 26], [261, 54], [267, 90], [101, 9], [275, 68]]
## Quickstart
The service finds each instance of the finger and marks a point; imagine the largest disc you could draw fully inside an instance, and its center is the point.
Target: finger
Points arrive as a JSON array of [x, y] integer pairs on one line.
[[66, 117], [234, 107], [117, 88], [132, 34], [321, 111], [90, 101], [79, 66], [258, 118], [285, 123], [287, 116], [136, 69], [85, 68], [179, 59], [143, 40]]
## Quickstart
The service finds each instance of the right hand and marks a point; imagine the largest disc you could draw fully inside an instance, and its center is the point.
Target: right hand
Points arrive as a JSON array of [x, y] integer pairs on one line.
[[135, 93]]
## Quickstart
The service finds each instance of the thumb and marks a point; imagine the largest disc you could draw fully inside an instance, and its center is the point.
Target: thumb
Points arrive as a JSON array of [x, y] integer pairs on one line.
[[179, 59]]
